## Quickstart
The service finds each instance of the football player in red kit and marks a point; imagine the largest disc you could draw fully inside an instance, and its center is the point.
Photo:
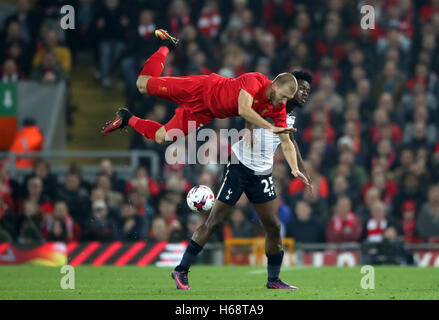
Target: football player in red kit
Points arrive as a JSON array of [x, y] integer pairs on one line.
[[201, 98]]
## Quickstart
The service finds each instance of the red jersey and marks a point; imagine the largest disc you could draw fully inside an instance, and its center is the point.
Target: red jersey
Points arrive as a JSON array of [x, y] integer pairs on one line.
[[220, 97]]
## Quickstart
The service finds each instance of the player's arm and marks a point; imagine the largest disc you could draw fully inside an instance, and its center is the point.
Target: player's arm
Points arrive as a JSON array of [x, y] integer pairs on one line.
[[245, 110], [250, 126], [300, 163], [291, 156]]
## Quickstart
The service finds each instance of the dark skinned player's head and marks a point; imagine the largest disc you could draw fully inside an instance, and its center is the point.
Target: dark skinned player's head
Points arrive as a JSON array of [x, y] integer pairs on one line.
[[304, 80], [282, 89]]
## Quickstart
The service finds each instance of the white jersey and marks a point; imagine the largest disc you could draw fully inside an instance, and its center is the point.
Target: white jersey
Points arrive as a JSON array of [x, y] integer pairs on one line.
[[265, 143]]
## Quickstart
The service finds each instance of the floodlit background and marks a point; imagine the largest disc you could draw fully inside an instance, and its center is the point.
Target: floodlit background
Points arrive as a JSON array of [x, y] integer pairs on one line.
[[369, 133]]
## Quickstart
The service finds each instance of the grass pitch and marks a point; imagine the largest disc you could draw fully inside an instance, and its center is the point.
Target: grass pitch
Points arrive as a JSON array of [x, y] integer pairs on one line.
[[216, 282]]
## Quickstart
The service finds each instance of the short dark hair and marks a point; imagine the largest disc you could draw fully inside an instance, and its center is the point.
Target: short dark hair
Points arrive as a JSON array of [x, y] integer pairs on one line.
[[302, 75]]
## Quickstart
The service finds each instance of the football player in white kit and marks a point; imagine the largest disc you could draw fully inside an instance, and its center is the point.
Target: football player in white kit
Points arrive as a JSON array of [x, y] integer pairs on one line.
[[250, 170]]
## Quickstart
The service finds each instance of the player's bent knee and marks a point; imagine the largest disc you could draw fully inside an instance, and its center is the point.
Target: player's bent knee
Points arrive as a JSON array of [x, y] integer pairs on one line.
[[273, 229], [213, 225], [141, 83], [160, 136]]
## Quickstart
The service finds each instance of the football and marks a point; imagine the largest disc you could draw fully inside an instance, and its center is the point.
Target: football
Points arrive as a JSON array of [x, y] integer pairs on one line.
[[200, 199]]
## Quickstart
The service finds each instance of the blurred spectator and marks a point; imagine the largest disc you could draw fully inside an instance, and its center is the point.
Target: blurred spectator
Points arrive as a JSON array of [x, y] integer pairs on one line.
[[364, 211], [278, 15], [390, 80], [9, 72], [427, 222], [408, 222], [139, 202], [386, 187], [111, 23], [406, 158], [58, 231], [208, 178], [76, 198], [28, 20], [113, 198], [238, 225], [418, 135], [49, 71], [8, 223], [130, 225], [29, 225], [320, 128], [33, 191], [167, 210], [340, 187], [354, 173], [175, 179], [83, 36], [61, 53], [83, 183], [9, 188], [99, 226], [305, 228], [384, 128], [70, 229], [377, 223], [330, 42], [140, 45], [210, 19], [320, 183], [388, 251], [158, 231], [179, 16], [194, 43], [143, 183], [28, 139], [421, 114], [41, 169], [344, 226], [333, 100], [106, 167], [411, 188], [384, 154], [5, 236]]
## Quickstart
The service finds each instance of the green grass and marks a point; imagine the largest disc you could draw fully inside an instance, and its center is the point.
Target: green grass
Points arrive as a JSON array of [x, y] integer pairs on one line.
[[217, 282]]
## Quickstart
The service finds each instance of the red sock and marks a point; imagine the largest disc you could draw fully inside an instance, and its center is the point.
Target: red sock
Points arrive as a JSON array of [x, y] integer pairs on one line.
[[154, 65], [147, 128]]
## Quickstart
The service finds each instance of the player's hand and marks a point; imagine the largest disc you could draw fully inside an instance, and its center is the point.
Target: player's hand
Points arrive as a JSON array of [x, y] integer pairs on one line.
[[301, 176], [279, 130]]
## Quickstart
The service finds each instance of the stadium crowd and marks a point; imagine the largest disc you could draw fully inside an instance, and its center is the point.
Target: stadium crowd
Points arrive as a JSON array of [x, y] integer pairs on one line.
[[369, 134]]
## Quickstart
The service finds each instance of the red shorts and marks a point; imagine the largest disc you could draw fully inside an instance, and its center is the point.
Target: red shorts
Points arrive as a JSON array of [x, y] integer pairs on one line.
[[187, 93]]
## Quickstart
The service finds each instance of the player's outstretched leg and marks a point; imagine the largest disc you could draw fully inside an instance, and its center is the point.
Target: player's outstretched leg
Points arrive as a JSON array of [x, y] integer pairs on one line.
[[121, 121], [166, 39], [154, 65], [267, 213], [124, 117], [217, 215]]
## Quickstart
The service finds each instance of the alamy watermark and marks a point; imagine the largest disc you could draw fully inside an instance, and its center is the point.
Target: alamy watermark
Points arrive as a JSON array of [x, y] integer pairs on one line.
[[368, 20], [68, 19], [207, 146], [67, 281], [368, 281]]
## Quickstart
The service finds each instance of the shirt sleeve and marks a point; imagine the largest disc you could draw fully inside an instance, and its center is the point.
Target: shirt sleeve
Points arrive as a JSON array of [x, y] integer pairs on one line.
[[252, 83]]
